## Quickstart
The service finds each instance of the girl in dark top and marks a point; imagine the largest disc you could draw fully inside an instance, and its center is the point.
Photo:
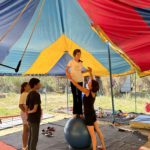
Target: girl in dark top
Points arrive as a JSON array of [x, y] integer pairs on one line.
[[89, 112]]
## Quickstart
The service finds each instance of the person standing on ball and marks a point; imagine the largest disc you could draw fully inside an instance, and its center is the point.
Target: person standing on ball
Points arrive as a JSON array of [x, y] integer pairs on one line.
[[89, 112], [74, 67]]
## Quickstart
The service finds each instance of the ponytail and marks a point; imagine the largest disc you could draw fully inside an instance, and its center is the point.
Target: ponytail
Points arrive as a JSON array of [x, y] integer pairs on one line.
[[23, 87]]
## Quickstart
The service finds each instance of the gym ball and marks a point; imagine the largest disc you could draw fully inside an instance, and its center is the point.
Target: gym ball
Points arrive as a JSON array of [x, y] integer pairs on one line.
[[76, 134]]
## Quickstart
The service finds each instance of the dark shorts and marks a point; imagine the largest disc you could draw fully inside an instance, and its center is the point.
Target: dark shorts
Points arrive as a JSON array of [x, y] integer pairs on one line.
[[90, 119]]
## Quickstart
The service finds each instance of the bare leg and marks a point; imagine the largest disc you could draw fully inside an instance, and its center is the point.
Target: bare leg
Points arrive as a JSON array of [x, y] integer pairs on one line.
[[93, 136], [74, 115], [100, 135], [25, 135]]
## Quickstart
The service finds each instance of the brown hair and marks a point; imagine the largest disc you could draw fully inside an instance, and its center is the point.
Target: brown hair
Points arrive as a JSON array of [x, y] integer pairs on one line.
[[76, 51], [33, 82], [23, 85], [95, 86]]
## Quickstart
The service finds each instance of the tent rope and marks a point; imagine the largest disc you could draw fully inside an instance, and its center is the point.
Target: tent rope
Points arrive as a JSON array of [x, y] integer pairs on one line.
[[24, 51], [38, 17], [15, 22]]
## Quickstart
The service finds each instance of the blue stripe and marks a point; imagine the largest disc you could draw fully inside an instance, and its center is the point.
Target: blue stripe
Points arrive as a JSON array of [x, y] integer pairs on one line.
[[78, 29], [60, 17], [59, 68], [8, 14], [145, 13], [12, 60]]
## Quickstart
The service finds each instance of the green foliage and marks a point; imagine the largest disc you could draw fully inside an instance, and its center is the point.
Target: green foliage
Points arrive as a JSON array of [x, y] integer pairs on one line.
[[57, 98], [12, 84], [9, 105]]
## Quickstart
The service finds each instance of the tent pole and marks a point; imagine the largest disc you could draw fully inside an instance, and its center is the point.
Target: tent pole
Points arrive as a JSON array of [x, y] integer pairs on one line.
[[111, 81], [135, 92], [67, 97], [66, 52], [46, 98]]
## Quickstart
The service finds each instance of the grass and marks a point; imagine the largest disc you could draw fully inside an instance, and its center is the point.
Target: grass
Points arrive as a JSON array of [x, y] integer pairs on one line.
[[9, 105], [125, 104]]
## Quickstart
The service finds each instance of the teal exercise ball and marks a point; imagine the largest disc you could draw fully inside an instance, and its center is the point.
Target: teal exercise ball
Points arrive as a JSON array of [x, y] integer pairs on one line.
[[76, 134]]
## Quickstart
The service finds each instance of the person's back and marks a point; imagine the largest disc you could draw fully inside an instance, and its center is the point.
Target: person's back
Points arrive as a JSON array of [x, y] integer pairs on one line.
[[32, 99], [88, 102]]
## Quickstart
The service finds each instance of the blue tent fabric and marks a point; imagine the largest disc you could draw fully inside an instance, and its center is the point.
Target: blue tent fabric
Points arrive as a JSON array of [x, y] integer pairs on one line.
[[9, 10], [58, 17], [59, 68]]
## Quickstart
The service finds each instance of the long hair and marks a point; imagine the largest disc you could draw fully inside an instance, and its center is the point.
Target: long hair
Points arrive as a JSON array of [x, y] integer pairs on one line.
[[95, 86], [23, 85]]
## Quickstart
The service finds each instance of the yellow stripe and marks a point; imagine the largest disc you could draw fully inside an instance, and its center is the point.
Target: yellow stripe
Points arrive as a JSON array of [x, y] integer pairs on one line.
[[144, 73], [88, 59], [49, 57]]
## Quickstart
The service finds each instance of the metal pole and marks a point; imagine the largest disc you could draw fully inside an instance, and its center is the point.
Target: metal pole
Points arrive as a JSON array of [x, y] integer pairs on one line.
[[66, 59], [67, 97], [135, 93], [45, 100], [111, 82]]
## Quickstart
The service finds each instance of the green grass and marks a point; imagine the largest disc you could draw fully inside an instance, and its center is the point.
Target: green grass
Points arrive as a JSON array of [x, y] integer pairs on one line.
[[9, 105], [126, 104]]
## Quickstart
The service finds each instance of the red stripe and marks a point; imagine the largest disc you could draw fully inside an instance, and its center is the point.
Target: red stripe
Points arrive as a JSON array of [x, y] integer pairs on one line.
[[4, 146], [137, 3], [122, 24], [5, 117]]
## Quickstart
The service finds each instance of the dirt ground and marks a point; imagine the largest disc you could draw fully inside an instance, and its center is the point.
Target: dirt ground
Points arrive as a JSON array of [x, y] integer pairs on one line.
[[58, 116]]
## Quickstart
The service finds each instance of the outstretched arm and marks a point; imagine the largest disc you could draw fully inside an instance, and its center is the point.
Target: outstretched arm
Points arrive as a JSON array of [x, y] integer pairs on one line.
[[90, 71], [82, 89], [85, 71]]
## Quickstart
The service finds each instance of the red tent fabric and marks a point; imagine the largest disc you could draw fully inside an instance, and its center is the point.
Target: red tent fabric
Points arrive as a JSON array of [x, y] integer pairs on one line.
[[136, 3], [127, 25]]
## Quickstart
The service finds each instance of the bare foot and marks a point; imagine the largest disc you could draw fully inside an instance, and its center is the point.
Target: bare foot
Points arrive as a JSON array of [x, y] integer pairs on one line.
[[100, 148], [81, 116]]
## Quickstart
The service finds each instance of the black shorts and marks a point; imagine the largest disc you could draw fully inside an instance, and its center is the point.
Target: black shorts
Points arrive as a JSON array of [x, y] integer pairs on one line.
[[90, 119]]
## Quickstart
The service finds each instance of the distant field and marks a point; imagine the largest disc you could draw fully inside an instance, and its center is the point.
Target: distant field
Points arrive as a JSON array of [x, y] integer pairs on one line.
[[9, 105]]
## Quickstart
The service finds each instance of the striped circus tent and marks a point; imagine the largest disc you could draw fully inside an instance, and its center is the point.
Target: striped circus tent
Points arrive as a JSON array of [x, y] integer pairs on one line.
[[126, 25], [39, 36]]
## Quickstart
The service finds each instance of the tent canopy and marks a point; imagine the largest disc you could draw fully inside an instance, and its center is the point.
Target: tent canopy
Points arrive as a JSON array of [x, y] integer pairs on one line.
[[126, 24], [65, 25]]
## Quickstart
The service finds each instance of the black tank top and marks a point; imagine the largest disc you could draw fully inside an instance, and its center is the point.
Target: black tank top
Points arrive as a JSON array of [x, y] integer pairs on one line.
[[88, 102]]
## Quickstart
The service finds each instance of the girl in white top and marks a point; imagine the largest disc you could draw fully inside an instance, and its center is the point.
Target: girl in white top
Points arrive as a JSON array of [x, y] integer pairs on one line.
[[25, 88], [75, 68]]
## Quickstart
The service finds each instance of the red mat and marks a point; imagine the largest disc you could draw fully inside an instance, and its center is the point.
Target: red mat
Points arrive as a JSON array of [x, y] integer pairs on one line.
[[4, 146]]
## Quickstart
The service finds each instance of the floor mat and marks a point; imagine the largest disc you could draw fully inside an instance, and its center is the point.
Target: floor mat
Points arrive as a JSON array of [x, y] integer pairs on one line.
[[11, 122], [4, 146], [115, 140], [142, 122]]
